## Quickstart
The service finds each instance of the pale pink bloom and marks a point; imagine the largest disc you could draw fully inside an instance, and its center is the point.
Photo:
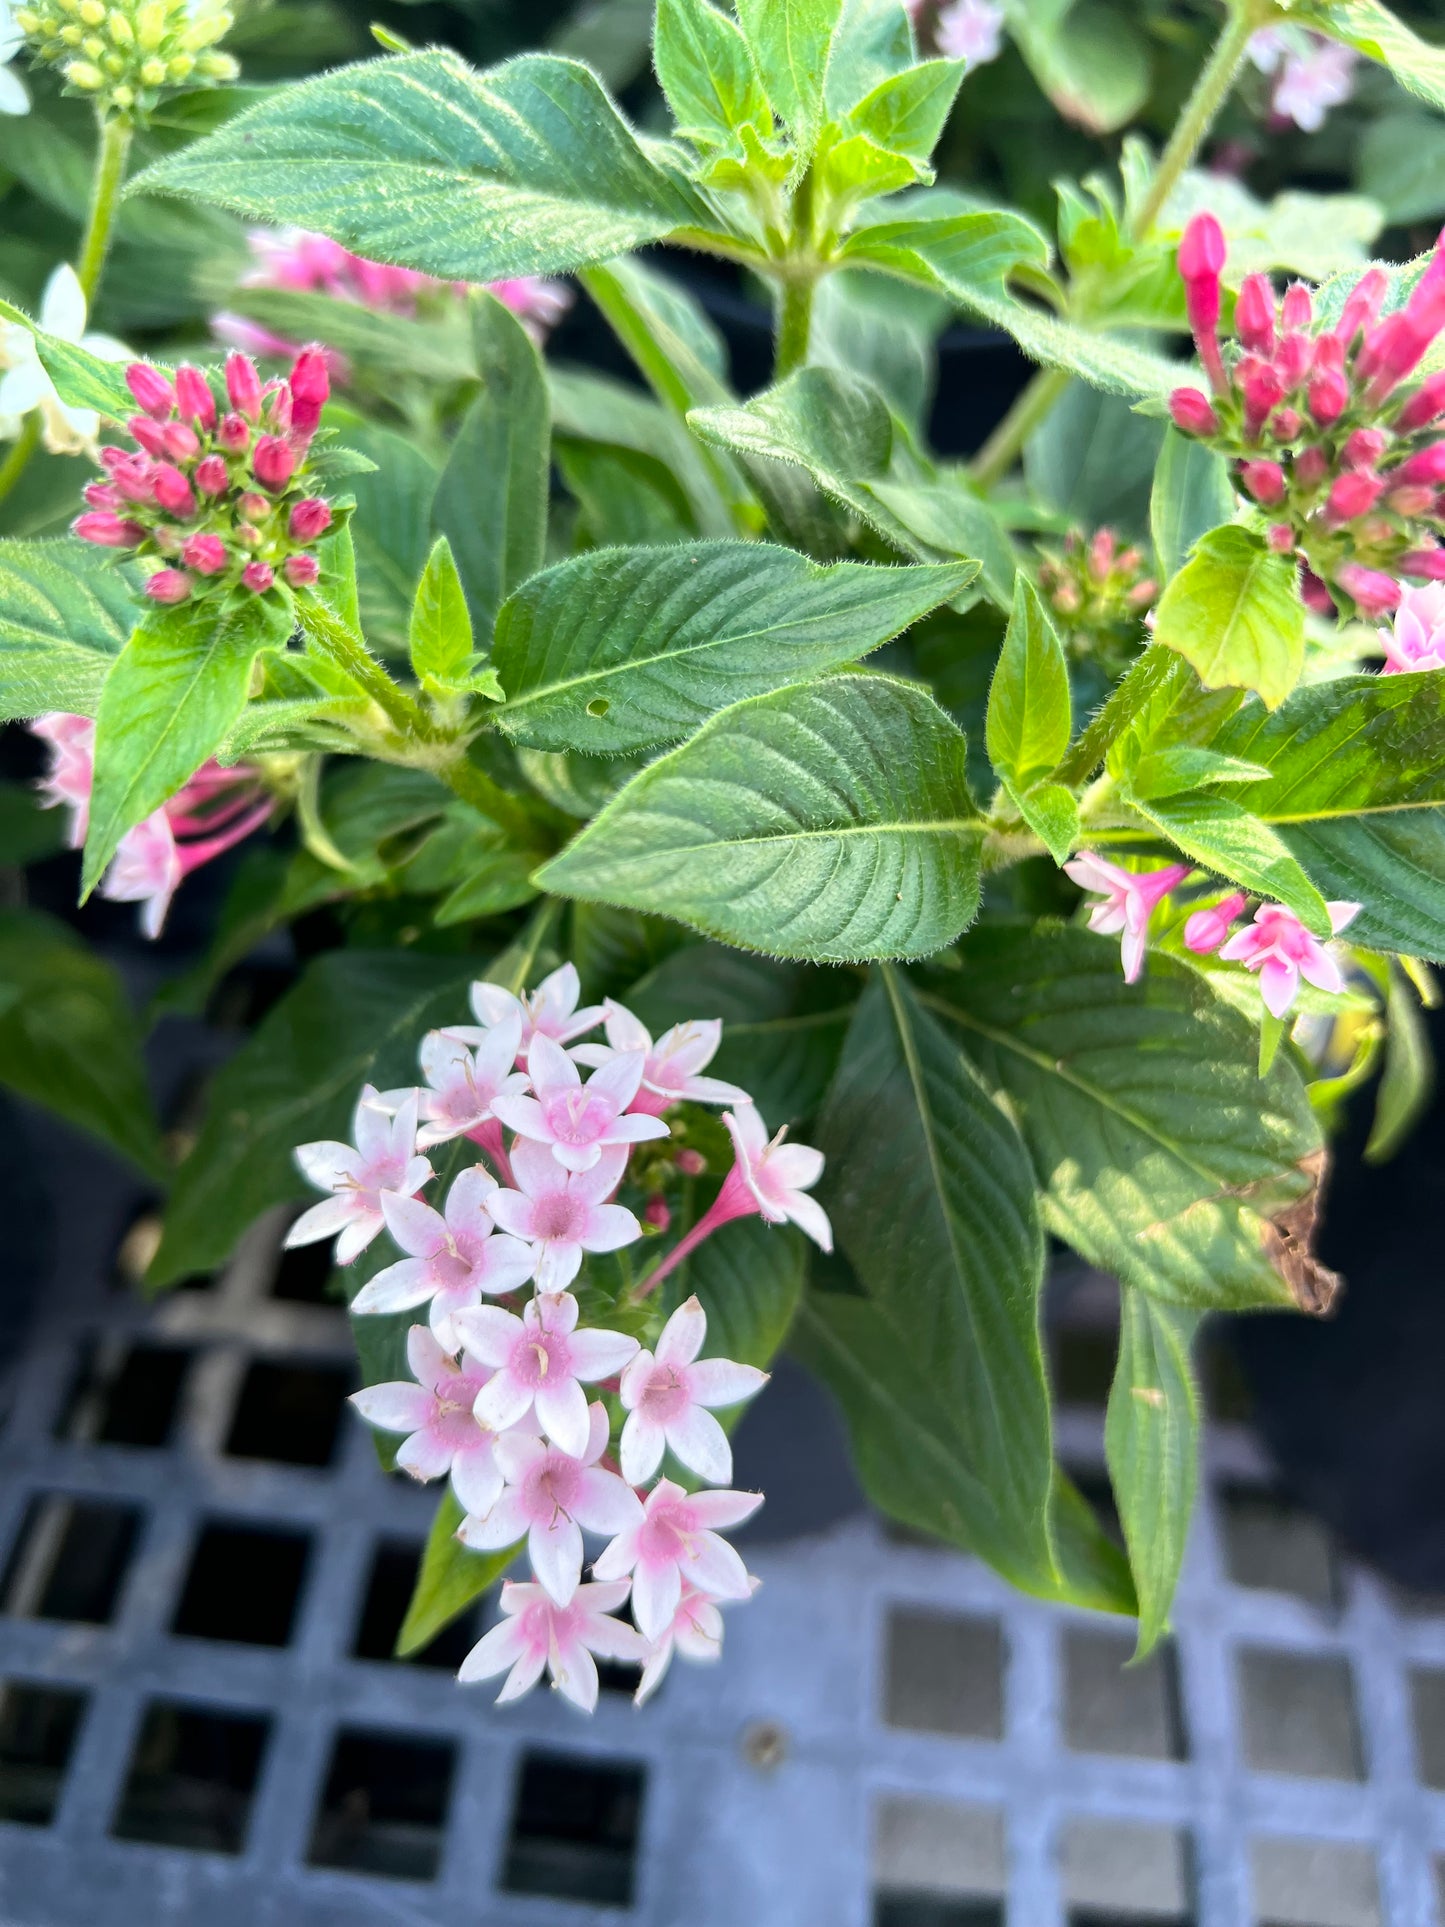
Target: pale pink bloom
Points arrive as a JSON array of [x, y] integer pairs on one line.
[[462, 1084], [436, 1412], [671, 1066], [1279, 947], [384, 1159], [1417, 638], [146, 869], [696, 1632], [252, 339], [970, 30], [1130, 900], [1207, 929], [549, 1497], [536, 1633], [1311, 83], [541, 1359], [539, 305], [676, 1541], [578, 1121], [666, 1393], [72, 768], [452, 1261], [564, 1213], [550, 1010]]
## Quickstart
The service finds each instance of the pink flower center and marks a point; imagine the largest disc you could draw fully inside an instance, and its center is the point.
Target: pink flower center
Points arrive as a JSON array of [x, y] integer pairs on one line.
[[577, 1116], [550, 1489], [453, 1422], [540, 1358], [450, 1271], [558, 1217], [665, 1533], [665, 1396]]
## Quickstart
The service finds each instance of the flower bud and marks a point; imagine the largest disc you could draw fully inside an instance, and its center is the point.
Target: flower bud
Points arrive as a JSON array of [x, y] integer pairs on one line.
[[1426, 466], [1414, 499], [151, 389], [1314, 594], [101, 495], [150, 435], [194, 397], [1427, 562], [1292, 360], [1281, 538], [1297, 310], [212, 475], [1101, 554], [1426, 405], [243, 385], [111, 531], [1207, 929], [301, 570], [277, 407], [1391, 351], [1372, 591], [1286, 424], [258, 576], [309, 519], [1261, 389], [1263, 481], [1311, 467], [691, 1163], [233, 435], [1362, 306], [181, 441], [169, 585], [1201, 249], [1192, 413], [656, 1212], [310, 387], [1365, 447], [206, 554], [82, 74], [1254, 314], [1350, 496], [1201, 256], [172, 490], [252, 507], [274, 462]]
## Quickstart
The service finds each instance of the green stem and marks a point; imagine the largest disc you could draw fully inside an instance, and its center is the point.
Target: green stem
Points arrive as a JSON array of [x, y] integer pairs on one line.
[[1211, 90], [110, 158], [331, 638], [1030, 408], [795, 325], [13, 467], [472, 784]]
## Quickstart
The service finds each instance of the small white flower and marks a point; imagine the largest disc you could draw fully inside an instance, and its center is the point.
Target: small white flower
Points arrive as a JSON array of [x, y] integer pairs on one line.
[[25, 384], [13, 97]]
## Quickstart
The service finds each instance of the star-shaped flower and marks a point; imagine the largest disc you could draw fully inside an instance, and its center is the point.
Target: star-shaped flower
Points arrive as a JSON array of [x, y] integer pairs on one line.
[[537, 1634], [578, 1121], [676, 1542], [564, 1213], [384, 1159], [1130, 900], [666, 1393], [671, 1066], [541, 1359], [436, 1412]]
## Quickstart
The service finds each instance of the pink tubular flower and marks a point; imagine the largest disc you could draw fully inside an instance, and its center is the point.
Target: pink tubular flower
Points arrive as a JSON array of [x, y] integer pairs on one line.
[[452, 1261], [675, 1542], [1192, 413], [550, 1498], [1201, 257], [666, 1395], [535, 1634], [68, 781], [670, 1072], [1416, 639], [550, 1010], [1130, 900], [696, 1632], [436, 1412], [384, 1159], [578, 1121], [970, 30], [1207, 929], [564, 1213], [462, 1085], [146, 869], [1279, 947], [168, 586], [541, 1360]]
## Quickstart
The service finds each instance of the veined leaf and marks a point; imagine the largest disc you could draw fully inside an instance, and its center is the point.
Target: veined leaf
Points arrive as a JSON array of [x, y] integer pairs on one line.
[[790, 46], [1221, 834], [1029, 711], [1192, 495], [1233, 612], [1393, 863], [66, 610], [830, 822], [706, 72], [590, 408], [907, 112], [1378, 34], [620, 648], [391, 529], [420, 160], [1156, 1144], [441, 630], [1151, 1437], [81, 379], [381, 343]]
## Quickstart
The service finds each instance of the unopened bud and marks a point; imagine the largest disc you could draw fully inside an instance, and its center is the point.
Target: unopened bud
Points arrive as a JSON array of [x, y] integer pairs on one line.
[[101, 495], [1414, 499], [1429, 563], [1365, 447], [1207, 929], [243, 385], [150, 24], [1292, 360], [252, 507], [1426, 405], [1371, 590], [274, 462], [1101, 554], [172, 490], [1281, 538], [301, 570], [153, 72], [117, 25], [1426, 466], [691, 1163], [150, 435], [1254, 314], [151, 389], [1297, 311], [169, 585], [258, 576], [309, 519], [182, 442], [310, 388], [206, 554], [1201, 256], [656, 1212], [1350, 496], [111, 531], [1192, 413], [194, 397], [233, 435], [1311, 467], [1362, 306], [82, 74], [212, 476], [1286, 424], [1264, 482], [1329, 397], [1261, 388]]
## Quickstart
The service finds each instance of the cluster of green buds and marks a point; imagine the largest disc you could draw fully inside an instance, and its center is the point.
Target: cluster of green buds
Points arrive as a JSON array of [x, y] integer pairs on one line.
[[126, 54], [1098, 591]]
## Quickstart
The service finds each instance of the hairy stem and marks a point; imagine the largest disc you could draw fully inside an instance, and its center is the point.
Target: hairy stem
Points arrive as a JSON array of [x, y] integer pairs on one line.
[[1211, 90], [111, 155], [1031, 406], [472, 784], [794, 326], [13, 467]]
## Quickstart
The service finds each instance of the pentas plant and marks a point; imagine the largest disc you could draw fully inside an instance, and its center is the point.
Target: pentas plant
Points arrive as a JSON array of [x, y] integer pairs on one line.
[[539, 703]]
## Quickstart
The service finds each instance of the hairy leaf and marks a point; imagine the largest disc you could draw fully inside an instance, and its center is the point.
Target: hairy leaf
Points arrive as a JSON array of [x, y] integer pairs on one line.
[[66, 610], [1233, 612], [1392, 863], [1028, 701], [1217, 832], [1378, 34], [706, 72], [790, 46], [1192, 495], [441, 629]]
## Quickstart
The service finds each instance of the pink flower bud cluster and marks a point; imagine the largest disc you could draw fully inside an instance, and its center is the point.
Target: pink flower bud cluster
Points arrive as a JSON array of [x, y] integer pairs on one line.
[[502, 1398], [219, 496], [1099, 590], [1331, 433], [208, 816]]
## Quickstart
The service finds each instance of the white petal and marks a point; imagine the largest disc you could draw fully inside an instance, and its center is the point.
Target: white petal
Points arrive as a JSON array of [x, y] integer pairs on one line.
[[606, 1503], [683, 1334], [556, 1554], [702, 1445], [562, 1415], [575, 1673], [414, 1225], [62, 306], [718, 1381], [13, 97], [641, 1448], [809, 1216], [523, 1676], [323, 1220], [716, 1569], [609, 1227], [500, 1649], [600, 1354], [326, 1163], [656, 1592], [397, 1407], [476, 1478], [406, 1283]]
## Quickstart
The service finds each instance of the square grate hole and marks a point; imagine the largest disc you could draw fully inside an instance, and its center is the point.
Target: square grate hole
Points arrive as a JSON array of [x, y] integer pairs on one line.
[[38, 1730], [1314, 1883], [70, 1559], [1124, 1873], [937, 1865], [1274, 1546], [303, 1276], [1427, 1703], [243, 1584], [944, 1674], [288, 1411], [384, 1806], [575, 1827], [192, 1778], [125, 1393], [1298, 1715], [1112, 1706], [394, 1567]]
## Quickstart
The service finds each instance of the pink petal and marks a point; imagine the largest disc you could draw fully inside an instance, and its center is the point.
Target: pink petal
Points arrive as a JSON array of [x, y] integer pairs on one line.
[[1132, 951], [605, 1503], [1319, 968], [562, 1415], [497, 1051], [718, 1381], [1243, 945], [498, 1650], [556, 1554], [1342, 914], [424, 1456], [748, 1133], [640, 1448], [489, 1333], [620, 1079], [406, 1283], [702, 1445], [619, 1558], [624, 1031], [576, 1157], [712, 1090], [635, 1128], [523, 1114], [656, 1591], [797, 1167], [1278, 983], [429, 1363], [505, 1265], [397, 1407], [689, 1048], [476, 1479], [493, 1005], [357, 1235], [716, 1569], [604, 1177], [612, 1638], [600, 1354], [516, 1453], [523, 1676], [513, 1210], [720, 1510], [609, 1227], [574, 1671], [555, 1311], [549, 1067], [467, 1214]]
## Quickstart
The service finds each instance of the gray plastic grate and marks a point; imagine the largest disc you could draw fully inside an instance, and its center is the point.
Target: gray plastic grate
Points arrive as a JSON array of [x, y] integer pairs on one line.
[[893, 1735]]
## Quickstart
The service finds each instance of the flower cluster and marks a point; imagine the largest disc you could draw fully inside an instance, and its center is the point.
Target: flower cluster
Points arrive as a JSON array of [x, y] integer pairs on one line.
[[1100, 593], [126, 53], [502, 1394], [221, 498], [1276, 944], [212, 813], [1311, 74], [1330, 435], [309, 263]]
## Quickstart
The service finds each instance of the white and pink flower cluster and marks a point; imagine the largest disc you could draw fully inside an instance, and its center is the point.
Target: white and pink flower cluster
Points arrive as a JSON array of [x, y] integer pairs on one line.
[[504, 1394], [214, 811], [1276, 945]]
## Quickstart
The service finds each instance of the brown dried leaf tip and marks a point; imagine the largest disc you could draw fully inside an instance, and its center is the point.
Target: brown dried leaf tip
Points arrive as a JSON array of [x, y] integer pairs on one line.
[[1289, 1243]]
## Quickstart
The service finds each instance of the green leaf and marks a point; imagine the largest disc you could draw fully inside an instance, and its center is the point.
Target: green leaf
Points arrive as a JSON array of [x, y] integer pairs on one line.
[[500, 879], [1408, 1081], [1151, 1438], [172, 694], [1029, 710], [621, 648], [69, 1039], [1401, 165], [828, 823], [491, 500], [1224, 836], [441, 629], [1375, 32], [1092, 459], [706, 72], [1393, 864], [1167, 772], [1234, 613], [790, 46], [1157, 1149], [907, 113], [1052, 813], [451, 1577], [66, 610], [933, 1200], [1192, 495], [29, 829], [1090, 59], [391, 529], [590, 409], [750, 1281], [525, 169], [81, 379], [932, 520], [873, 41], [437, 349]]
